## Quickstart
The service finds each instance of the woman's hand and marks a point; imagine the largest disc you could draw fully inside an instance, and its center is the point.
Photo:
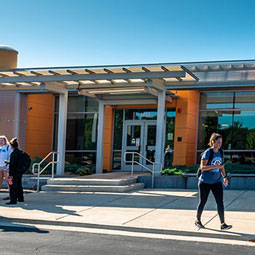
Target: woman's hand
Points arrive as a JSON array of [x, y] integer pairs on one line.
[[225, 181]]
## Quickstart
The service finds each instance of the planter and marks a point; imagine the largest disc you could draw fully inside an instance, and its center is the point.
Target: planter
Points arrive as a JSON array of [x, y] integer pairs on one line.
[[236, 181], [242, 181], [30, 181], [164, 182], [190, 181]]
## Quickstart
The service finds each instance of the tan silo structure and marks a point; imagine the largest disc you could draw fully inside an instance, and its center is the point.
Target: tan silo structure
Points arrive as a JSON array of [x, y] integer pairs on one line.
[[8, 57]]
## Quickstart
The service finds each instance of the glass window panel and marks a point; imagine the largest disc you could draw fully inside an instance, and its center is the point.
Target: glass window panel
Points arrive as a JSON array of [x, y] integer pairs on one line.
[[82, 104], [56, 104], [215, 121], [150, 155], [243, 134], [170, 125], [116, 160], [55, 133], [74, 160], [151, 135], [216, 100], [81, 132], [118, 128], [140, 114], [129, 157], [239, 157], [245, 100], [169, 141], [133, 133]]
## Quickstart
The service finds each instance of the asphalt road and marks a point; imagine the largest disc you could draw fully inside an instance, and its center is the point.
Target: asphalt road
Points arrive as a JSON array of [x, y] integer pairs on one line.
[[35, 241]]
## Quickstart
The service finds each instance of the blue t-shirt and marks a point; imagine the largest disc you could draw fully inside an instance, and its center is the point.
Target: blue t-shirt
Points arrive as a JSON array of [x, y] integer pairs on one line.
[[213, 175]]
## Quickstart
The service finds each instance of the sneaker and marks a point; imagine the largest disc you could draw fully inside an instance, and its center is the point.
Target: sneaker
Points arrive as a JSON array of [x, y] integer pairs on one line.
[[11, 203], [199, 224], [224, 226]]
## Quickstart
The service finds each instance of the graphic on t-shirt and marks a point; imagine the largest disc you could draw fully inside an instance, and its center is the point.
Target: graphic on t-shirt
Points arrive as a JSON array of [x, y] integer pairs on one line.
[[216, 161]]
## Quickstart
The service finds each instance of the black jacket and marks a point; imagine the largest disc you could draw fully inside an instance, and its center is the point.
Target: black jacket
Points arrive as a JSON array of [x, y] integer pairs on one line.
[[15, 162]]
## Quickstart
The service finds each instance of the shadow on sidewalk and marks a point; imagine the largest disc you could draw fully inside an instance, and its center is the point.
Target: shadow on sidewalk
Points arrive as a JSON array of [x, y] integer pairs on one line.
[[15, 227]]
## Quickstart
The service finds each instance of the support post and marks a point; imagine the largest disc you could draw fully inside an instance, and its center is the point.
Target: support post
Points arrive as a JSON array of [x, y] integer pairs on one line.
[[17, 114], [62, 122], [100, 138], [160, 129]]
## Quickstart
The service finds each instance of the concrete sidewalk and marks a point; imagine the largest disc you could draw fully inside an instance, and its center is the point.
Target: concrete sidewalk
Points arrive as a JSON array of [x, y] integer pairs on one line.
[[170, 212]]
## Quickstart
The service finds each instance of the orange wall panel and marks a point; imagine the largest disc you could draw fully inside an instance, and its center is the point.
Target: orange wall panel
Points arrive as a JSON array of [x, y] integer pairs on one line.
[[39, 124], [108, 139], [186, 127]]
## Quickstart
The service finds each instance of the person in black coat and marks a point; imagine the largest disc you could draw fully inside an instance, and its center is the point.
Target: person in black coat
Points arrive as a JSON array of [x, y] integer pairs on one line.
[[15, 175]]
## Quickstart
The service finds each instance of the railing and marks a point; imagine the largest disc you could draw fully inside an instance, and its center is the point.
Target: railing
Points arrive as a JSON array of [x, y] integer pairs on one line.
[[39, 170], [145, 167]]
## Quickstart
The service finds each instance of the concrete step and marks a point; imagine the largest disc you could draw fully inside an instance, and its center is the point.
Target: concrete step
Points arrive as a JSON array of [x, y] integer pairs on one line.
[[93, 188], [92, 182]]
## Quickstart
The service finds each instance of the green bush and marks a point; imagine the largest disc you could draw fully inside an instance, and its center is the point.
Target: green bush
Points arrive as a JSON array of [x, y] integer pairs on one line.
[[84, 170], [37, 159], [72, 168], [237, 168], [234, 168], [172, 171]]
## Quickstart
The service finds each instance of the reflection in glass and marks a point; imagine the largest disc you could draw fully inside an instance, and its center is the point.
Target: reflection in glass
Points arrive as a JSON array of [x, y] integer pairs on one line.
[[244, 100], [133, 134], [129, 156], [150, 155], [216, 100], [140, 114], [74, 160], [151, 135], [118, 127], [116, 160], [169, 141], [81, 132], [238, 157], [82, 104]]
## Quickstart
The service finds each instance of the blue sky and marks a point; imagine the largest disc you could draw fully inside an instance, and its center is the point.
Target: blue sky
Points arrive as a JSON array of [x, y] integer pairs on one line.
[[83, 32]]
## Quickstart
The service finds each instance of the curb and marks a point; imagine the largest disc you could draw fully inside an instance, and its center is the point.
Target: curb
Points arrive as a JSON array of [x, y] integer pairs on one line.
[[128, 229]]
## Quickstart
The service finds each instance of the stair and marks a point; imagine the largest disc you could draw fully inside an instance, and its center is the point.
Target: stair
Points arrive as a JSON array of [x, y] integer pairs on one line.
[[92, 185]]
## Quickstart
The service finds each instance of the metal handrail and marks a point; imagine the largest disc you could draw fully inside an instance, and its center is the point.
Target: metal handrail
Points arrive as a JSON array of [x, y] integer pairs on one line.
[[138, 163], [39, 170]]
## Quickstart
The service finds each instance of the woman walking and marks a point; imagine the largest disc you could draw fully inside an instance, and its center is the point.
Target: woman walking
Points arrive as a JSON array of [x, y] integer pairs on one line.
[[211, 178], [5, 151]]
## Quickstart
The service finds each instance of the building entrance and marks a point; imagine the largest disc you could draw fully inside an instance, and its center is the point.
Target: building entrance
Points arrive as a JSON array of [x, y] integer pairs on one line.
[[139, 136]]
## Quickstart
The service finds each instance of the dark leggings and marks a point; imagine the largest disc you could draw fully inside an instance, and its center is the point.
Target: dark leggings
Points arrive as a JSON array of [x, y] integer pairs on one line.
[[204, 190], [16, 189]]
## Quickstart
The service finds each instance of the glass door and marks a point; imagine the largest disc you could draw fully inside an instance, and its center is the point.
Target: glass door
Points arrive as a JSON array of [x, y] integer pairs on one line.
[[139, 136], [150, 129], [133, 134]]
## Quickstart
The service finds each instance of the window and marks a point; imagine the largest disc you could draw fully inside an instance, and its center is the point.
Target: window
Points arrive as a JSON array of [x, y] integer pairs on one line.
[[236, 124]]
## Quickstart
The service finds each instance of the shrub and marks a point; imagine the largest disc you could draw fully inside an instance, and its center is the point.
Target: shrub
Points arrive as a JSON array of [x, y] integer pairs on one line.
[[234, 168], [172, 171], [72, 168], [37, 159], [84, 170]]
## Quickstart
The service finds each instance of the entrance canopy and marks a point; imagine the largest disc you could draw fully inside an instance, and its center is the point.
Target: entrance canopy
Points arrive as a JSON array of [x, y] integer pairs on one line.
[[110, 85], [98, 82]]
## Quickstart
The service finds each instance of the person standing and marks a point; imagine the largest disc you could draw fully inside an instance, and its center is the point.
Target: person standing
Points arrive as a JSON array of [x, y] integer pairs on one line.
[[15, 175], [5, 151], [211, 178]]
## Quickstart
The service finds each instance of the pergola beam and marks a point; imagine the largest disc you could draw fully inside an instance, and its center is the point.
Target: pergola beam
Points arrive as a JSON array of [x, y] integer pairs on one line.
[[53, 88]]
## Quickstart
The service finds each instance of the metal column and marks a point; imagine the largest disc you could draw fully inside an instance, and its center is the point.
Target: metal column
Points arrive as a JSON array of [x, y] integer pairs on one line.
[[100, 138], [62, 122], [160, 128]]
